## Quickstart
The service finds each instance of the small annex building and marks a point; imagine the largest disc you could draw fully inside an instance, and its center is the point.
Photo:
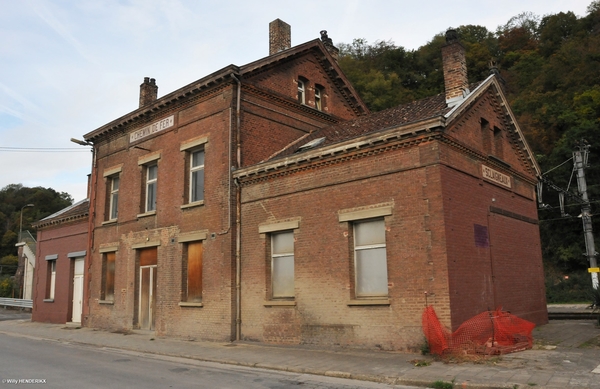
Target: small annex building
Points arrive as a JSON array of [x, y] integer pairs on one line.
[[266, 203], [62, 241], [26, 248]]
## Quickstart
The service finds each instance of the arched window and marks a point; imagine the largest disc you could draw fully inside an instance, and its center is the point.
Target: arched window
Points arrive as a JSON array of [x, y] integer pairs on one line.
[[302, 90]]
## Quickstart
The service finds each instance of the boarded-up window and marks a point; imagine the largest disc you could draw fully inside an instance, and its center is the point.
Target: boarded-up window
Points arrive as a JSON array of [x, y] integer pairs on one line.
[[193, 280], [370, 258], [282, 265], [498, 141], [108, 276], [485, 135], [480, 234]]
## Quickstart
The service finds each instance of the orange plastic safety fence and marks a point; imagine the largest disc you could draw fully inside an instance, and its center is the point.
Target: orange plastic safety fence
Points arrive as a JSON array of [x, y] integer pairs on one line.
[[489, 333]]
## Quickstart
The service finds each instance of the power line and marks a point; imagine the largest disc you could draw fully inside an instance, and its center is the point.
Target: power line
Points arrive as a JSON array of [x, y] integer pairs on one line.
[[43, 149]]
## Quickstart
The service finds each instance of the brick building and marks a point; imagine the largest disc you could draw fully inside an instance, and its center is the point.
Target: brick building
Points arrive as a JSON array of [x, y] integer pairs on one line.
[[163, 198], [62, 241], [264, 202]]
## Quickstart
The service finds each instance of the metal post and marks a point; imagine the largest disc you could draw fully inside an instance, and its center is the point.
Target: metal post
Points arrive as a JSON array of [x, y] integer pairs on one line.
[[21, 223], [580, 158]]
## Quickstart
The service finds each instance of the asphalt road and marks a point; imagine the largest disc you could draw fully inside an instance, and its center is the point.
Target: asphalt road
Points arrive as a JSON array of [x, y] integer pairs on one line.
[[52, 364]]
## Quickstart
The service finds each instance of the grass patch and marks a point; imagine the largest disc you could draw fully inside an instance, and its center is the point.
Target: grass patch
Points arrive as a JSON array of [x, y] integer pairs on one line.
[[443, 385], [593, 343], [420, 362]]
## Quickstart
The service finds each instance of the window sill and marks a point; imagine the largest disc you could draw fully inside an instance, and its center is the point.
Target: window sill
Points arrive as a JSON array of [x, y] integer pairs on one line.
[[106, 302], [145, 214], [48, 300], [186, 304], [363, 302], [113, 221], [192, 205], [280, 303]]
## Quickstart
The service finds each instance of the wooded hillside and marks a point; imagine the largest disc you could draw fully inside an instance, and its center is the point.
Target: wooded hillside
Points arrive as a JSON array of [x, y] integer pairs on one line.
[[551, 68], [19, 207]]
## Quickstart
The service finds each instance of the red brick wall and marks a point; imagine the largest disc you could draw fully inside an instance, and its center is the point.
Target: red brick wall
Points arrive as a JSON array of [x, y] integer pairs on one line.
[[271, 123], [282, 81], [62, 240], [324, 257], [209, 117], [508, 271], [438, 196], [270, 119]]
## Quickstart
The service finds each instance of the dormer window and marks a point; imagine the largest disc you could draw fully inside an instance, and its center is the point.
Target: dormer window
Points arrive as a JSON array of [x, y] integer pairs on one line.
[[310, 145], [301, 91]]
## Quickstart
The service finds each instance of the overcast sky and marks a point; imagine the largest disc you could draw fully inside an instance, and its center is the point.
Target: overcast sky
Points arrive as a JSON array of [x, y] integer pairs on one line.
[[68, 67]]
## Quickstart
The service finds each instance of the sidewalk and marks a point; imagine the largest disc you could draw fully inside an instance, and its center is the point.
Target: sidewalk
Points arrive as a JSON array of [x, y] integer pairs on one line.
[[566, 354]]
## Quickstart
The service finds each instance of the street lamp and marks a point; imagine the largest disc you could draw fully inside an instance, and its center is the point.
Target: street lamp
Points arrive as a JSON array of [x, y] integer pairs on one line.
[[21, 224]]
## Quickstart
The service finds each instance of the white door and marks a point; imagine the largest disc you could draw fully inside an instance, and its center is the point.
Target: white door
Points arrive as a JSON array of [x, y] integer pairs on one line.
[[77, 290]]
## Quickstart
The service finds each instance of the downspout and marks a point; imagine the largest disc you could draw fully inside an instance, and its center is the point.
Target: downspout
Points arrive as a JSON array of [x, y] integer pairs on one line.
[[238, 211]]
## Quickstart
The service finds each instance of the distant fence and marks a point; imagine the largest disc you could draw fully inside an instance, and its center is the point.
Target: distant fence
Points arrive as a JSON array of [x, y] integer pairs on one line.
[[21, 303]]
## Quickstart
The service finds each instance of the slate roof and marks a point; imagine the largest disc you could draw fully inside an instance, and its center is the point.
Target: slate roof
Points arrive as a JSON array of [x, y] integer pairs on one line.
[[434, 106], [79, 210]]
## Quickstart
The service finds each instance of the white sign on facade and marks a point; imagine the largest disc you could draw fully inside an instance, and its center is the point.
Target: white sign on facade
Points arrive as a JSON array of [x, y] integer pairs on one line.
[[152, 129], [496, 176]]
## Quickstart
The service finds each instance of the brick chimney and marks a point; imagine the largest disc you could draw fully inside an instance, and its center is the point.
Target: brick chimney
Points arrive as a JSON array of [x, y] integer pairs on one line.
[[280, 36], [328, 43], [148, 91], [455, 69]]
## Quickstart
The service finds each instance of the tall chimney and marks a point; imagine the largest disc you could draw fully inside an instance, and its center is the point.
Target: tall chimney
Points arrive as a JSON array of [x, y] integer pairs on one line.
[[328, 43], [148, 91], [280, 36], [455, 69]]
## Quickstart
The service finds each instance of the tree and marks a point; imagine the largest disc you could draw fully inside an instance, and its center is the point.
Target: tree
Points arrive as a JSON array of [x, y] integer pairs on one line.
[[12, 199], [8, 265]]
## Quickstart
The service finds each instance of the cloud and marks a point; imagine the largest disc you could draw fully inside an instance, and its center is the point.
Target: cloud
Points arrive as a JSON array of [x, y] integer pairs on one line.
[[47, 16]]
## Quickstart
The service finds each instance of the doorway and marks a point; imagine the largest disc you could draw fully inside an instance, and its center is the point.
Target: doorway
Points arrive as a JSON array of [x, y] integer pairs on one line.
[[147, 282], [77, 290]]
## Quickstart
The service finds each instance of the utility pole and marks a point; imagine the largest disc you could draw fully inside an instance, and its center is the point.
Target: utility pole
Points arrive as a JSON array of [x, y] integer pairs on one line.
[[580, 157]]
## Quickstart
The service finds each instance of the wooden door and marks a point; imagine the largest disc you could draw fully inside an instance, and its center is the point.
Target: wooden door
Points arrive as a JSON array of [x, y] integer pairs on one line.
[[147, 296]]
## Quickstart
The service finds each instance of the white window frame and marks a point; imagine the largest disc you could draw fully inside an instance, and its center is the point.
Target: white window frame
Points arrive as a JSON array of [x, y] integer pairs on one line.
[[113, 209], [52, 279], [280, 256], [194, 169], [318, 98], [301, 91], [151, 183], [269, 229], [366, 248]]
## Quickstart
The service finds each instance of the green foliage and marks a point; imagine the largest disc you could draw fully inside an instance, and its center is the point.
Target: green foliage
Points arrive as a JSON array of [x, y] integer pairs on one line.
[[442, 385], [574, 289], [13, 198], [6, 286], [8, 265], [425, 347]]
